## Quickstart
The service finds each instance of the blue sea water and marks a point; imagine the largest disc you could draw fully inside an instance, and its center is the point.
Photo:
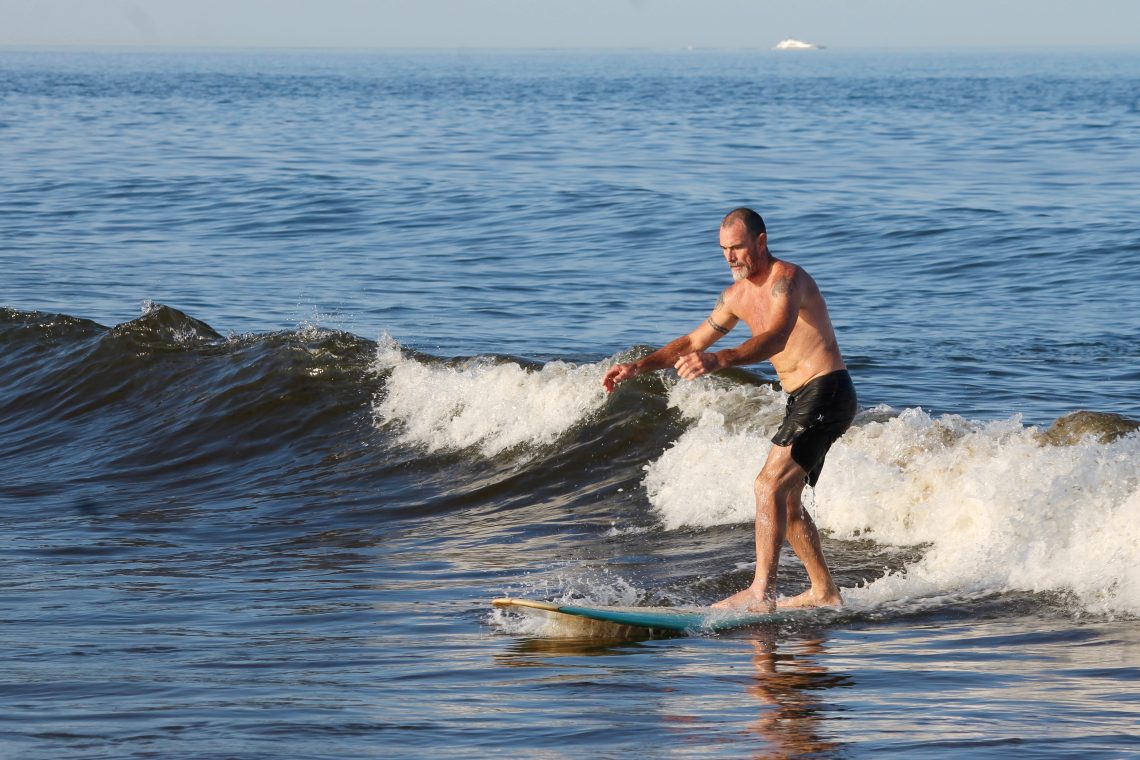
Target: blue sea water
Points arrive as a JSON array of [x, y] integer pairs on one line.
[[300, 367]]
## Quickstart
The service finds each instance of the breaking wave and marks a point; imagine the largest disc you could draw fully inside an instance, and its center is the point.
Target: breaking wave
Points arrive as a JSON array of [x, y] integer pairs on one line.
[[482, 403], [996, 506]]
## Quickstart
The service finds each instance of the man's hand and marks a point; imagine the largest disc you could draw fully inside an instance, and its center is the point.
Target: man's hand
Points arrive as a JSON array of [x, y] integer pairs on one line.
[[691, 366], [617, 374]]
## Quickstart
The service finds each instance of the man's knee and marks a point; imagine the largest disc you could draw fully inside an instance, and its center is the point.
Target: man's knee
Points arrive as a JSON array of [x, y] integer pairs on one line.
[[766, 490], [782, 492], [781, 476]]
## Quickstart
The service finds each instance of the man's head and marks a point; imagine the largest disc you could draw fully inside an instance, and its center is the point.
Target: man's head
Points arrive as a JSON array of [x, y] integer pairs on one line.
[[744, 240]]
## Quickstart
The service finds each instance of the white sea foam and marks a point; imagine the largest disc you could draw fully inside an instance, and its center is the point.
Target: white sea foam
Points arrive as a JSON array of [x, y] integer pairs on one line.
[[706, 477], [996, 509], [490, 406]]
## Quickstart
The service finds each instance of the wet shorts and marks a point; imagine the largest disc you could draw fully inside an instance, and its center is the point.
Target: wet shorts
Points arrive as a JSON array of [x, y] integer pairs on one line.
[[817, 414]]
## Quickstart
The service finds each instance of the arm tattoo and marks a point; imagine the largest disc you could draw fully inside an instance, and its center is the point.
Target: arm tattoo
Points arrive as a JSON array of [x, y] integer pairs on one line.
[[783, 286], [712, 322], [720, 329]]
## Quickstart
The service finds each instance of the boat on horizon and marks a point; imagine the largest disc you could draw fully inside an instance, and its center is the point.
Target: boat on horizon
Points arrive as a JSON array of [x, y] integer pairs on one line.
[[791, 44]]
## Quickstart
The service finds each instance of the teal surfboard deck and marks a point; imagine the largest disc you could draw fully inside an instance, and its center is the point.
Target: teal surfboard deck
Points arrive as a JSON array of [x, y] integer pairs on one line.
[[679, 619]]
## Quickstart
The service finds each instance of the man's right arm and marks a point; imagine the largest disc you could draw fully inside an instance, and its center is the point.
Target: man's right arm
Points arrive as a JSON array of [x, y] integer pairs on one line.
[[719, 322]]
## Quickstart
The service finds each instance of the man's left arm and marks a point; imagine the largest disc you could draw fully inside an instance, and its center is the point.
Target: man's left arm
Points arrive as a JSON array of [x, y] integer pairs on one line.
[[719, 322], [783, 311]]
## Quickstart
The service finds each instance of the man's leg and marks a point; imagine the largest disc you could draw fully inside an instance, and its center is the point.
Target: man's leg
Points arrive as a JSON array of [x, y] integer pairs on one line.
[[779, 480], [804, 538]]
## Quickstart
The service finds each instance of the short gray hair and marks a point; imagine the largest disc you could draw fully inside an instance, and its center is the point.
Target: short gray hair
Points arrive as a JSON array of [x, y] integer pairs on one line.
[[753, 222]]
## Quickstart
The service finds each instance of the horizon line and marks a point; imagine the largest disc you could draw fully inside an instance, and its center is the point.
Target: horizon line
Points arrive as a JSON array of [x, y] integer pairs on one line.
[[823, 50]]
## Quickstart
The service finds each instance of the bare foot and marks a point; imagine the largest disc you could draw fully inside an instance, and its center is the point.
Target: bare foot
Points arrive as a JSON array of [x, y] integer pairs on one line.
[[809, 598], [749, 600]]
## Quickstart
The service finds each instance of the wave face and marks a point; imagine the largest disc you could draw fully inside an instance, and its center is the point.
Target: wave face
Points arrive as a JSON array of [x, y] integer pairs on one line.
[[164, 405], [98, 416]]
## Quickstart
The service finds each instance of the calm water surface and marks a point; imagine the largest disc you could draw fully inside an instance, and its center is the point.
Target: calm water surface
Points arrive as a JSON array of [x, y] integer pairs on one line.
[[301, 363]]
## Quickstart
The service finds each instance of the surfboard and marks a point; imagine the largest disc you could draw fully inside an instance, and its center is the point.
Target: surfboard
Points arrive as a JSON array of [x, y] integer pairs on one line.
[[677, 619]]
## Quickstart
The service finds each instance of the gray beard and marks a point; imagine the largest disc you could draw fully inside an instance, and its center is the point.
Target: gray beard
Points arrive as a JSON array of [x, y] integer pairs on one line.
[[739, 274]]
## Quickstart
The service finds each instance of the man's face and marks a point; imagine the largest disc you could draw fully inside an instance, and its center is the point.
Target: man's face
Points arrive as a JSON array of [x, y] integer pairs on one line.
[[740, 251]]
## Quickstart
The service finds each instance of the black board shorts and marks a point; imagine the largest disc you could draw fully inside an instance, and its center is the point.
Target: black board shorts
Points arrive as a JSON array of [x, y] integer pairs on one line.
[[818, 413]]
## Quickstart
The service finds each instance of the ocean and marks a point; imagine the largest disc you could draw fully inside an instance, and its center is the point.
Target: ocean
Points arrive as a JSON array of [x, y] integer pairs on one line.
[[300, 363]]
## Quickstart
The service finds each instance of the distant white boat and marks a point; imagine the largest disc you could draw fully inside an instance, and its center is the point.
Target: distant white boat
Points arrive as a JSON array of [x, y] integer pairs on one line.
[[790, 44]]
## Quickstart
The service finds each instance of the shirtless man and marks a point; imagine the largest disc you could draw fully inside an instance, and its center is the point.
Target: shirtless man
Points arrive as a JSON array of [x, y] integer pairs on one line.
[[785, 311]]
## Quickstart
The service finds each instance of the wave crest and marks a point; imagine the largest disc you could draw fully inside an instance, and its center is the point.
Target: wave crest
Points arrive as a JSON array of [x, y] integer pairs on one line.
[[482, 403]]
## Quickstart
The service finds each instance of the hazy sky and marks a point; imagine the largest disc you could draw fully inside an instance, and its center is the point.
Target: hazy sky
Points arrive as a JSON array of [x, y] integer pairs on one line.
[[842, 24]]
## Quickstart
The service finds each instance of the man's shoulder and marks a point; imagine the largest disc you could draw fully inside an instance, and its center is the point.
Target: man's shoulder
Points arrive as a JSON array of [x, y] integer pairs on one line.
[[782, 269], [791, 276]]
